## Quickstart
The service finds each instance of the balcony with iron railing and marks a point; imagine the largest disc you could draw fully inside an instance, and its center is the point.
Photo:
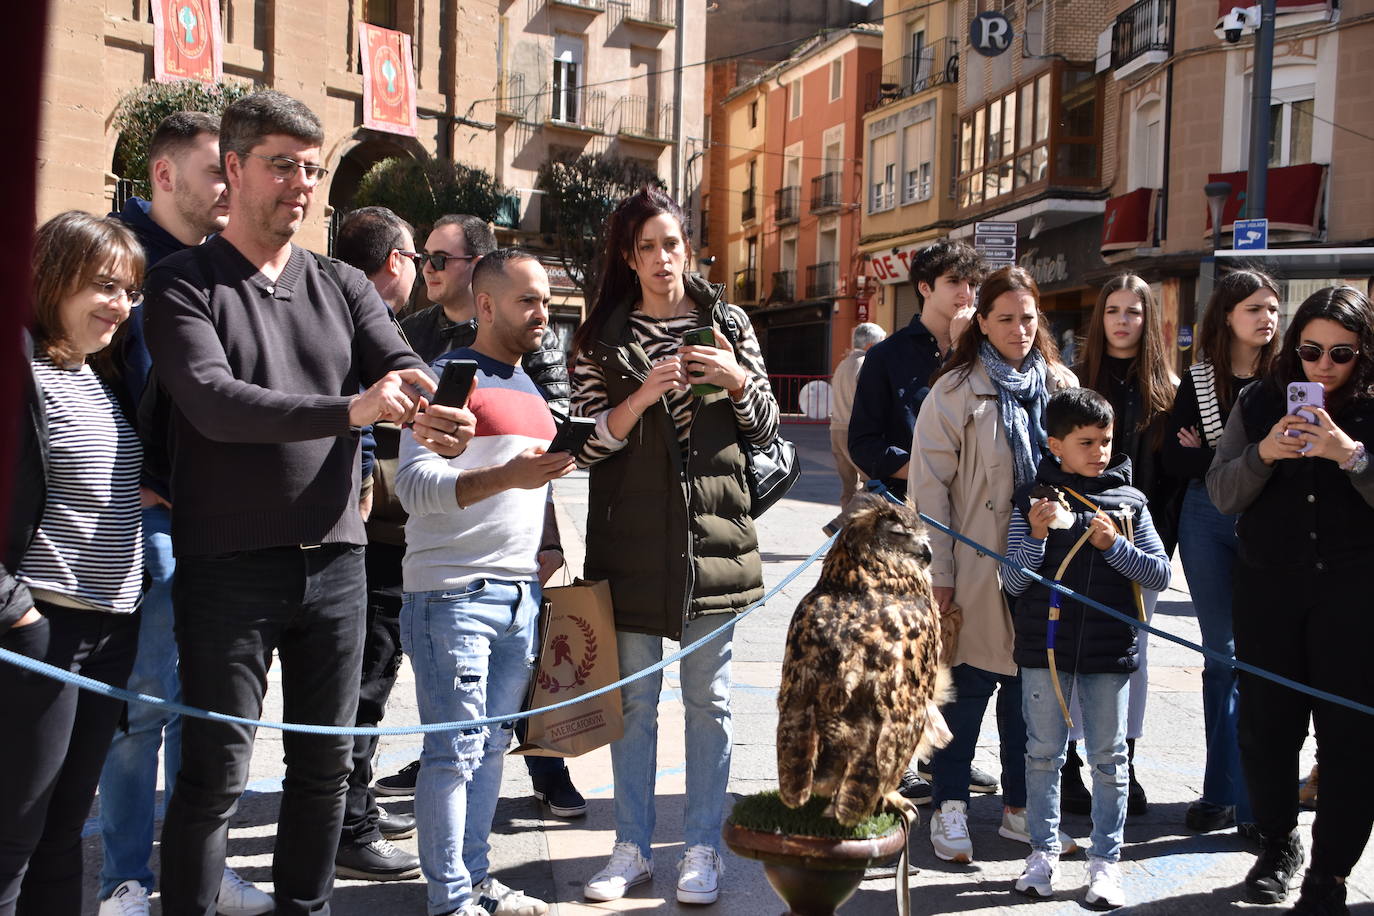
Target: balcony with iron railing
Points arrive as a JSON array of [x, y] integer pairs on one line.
[[936, 65], [825, 193], [642, 118], [787, 205], [784, 285], [511, 100], [592, 7], [748, 204], [576, 109], [1142, 36], [746, 288], [654, 14], [820, 279]]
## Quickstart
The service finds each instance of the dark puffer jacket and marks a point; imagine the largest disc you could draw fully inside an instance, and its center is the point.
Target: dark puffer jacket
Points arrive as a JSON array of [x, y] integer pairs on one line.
[[1087, 640], [674, 539]]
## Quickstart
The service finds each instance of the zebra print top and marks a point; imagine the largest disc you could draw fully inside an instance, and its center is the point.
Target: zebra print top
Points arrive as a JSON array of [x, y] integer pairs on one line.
[[756, 413], [87, 551]]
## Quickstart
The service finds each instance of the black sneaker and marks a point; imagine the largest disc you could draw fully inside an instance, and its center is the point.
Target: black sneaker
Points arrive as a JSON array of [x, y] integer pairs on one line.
[[915, 788], [1205, 817], [1269, 878], [402, 783], [1322, 895], [979, 781], [395, 826], [556, 789], [1136, 802], [376, 861]]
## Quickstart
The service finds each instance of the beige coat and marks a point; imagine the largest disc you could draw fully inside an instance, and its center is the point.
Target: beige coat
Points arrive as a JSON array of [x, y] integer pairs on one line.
[[961, 475]]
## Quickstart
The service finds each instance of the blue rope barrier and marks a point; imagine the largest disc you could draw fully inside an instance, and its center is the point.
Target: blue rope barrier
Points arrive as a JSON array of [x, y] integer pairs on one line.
[[1230, 662], [130, 696]]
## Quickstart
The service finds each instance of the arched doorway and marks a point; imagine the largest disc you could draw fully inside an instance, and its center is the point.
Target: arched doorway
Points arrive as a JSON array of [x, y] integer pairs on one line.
[[352, 157]]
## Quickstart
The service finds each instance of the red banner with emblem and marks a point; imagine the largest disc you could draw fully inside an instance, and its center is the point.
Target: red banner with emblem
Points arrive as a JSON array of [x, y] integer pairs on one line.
[[187, 42], [1129, 221], [388, 80], [1295, 198]]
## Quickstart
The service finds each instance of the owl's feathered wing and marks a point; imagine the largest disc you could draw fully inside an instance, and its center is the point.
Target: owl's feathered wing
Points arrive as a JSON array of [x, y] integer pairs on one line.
[[861, 676]]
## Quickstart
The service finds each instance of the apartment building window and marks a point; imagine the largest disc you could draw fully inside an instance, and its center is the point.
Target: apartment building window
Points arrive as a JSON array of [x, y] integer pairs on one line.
[[918, 160], [567, 74], [882, 182], [753, 115], [794, 94], [1147, 146], [920, 56], [1290, 129], [1006, 144], [836, 79], [380, 12]]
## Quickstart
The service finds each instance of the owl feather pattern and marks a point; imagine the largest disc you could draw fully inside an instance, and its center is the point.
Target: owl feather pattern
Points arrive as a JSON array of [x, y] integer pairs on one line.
[[861, 676]]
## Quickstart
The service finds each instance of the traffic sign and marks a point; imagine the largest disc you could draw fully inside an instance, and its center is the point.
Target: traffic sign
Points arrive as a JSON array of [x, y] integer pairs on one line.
[[1250, 234], [996, 242], [997, 253], [998, 228]]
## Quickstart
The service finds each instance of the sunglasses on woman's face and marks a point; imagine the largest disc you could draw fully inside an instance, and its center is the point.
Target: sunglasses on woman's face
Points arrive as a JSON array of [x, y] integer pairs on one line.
[[1340, 355]]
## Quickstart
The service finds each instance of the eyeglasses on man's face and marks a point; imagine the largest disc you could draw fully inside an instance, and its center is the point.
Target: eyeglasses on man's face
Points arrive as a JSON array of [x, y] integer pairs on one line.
[[414, 256], [284, 168], [438, 260]]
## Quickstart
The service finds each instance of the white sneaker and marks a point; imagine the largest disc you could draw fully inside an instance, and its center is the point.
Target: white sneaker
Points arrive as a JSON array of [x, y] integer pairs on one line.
[[497, 899], [129, 899], [1014, 828], [238, 897], [949, 833], [698, 875], [1104, 884], [1038, 878], [626, 869]]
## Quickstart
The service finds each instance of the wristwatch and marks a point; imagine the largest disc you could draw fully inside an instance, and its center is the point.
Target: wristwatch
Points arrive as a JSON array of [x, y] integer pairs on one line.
[[1357, 462]]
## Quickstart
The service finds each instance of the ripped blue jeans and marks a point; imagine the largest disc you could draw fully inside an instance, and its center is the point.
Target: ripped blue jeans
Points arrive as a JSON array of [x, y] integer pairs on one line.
[[1102, 699], [472, 651]]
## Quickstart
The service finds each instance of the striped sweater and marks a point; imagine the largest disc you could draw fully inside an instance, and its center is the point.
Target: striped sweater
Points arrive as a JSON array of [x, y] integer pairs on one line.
[[87, 551], [1141, 559], [756, 413]]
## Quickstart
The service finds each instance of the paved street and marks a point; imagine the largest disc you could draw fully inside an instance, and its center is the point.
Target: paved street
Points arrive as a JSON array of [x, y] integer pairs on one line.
[[1168, 870]]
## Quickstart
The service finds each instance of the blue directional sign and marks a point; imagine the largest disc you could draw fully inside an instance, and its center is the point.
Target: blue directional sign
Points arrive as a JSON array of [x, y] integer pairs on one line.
[[1251, 234]]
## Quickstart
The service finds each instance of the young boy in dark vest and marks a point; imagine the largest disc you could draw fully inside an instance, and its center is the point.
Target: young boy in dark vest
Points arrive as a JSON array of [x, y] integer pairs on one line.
[[1083, 524]]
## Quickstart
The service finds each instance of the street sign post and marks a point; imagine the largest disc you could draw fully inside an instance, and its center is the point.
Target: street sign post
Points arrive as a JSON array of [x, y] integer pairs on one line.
[[996, 242]]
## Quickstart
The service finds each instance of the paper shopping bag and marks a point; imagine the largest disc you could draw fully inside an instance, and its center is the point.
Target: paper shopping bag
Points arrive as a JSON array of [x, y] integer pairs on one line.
[[577, 654]]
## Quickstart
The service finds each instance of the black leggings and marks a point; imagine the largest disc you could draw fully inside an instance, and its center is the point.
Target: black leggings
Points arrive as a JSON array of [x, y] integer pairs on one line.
[[1316, 628], [56, 738]]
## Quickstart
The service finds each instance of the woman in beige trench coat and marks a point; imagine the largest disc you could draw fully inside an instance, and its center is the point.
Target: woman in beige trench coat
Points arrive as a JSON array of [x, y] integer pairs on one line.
[[979, 433]]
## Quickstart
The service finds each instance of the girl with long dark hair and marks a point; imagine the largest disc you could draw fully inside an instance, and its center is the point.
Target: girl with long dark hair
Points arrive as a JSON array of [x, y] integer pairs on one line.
[[980, 435], [668, 521], [1303, 489], [1236, 344], [1125, 361], [72, 574]]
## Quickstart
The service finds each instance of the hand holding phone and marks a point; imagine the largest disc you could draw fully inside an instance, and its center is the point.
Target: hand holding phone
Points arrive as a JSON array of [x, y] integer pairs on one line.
[[1302, 397], [701, 337], [455, 383], [572, 435]]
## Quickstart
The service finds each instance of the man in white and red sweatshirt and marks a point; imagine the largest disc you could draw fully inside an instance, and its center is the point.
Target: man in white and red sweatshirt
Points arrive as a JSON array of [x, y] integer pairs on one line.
[[472, 574]]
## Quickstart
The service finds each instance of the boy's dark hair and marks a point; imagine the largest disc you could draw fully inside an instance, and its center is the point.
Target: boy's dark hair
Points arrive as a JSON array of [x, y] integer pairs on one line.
[[477, 234], [945, 257], [248, 121], [1074, 408], [367, 237], [493, 265], [176, 132]]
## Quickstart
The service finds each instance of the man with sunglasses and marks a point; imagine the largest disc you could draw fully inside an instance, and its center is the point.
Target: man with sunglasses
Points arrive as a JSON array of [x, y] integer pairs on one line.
[[272, 366]]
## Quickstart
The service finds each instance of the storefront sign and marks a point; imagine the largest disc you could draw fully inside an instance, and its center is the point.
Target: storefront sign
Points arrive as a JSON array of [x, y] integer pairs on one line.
[[1062, 258], [388, 80], [893, 267], [187, 43]]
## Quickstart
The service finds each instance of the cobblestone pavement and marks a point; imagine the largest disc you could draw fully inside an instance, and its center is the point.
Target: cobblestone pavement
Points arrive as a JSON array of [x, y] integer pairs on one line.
[[1168, 870]]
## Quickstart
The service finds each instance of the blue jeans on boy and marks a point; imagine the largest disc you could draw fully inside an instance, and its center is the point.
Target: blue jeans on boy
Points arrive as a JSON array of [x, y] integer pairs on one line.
[[1207, 546], [128, 783], [1102, 698], [705, 690], [472, 650], [950, 765]]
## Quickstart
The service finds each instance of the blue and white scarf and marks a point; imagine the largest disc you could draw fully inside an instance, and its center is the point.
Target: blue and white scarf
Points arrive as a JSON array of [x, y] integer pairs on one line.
[[1021, 399]]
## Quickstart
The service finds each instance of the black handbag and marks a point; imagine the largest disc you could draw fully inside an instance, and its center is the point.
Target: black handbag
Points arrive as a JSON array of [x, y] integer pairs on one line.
[[770, 470]]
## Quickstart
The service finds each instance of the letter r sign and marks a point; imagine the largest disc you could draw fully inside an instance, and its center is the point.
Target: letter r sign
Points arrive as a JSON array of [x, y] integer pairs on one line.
[[990, 33]]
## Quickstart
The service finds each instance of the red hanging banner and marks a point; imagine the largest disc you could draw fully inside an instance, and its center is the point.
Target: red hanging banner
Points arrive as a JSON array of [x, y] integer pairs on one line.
[[187, 43], [388, 80]]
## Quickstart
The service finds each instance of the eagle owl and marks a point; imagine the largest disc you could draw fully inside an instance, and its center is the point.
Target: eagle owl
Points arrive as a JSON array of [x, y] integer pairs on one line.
[[861, 675]]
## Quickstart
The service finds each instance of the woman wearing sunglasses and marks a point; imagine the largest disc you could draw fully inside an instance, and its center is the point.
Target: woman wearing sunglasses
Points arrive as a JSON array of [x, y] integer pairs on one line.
[[1235, 345], [72, 573], [1304, 490]]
